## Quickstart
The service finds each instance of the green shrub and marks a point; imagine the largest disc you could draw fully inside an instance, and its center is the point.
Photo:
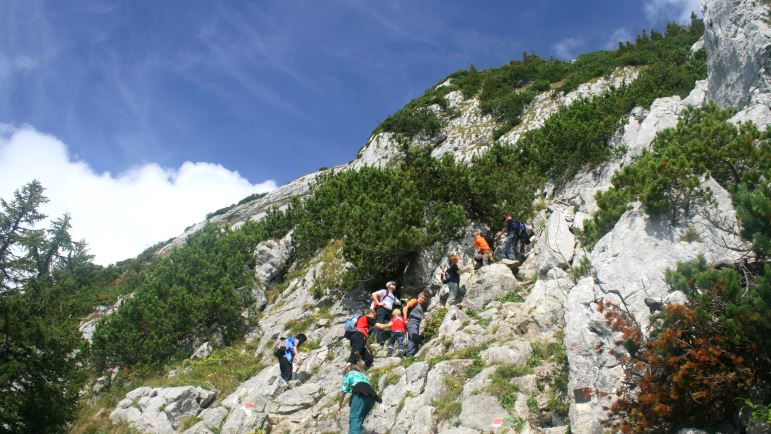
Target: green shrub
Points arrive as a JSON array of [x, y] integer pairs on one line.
[[668, 178]]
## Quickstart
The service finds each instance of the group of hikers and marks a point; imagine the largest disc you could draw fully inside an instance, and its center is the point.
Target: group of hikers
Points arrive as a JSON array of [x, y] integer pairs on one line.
[[393, 321]]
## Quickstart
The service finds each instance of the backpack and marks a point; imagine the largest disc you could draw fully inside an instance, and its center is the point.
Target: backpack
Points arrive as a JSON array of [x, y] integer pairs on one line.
[[279, 347], [350, 323]]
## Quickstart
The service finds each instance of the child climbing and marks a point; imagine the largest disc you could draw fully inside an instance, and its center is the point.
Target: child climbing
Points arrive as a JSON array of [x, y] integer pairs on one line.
[[484, 253], [452, 279], [398, 330]]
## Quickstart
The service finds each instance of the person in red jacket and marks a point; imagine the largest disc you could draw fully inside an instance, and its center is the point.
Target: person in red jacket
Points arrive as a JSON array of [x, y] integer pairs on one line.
[[358, 338], [398, 327]]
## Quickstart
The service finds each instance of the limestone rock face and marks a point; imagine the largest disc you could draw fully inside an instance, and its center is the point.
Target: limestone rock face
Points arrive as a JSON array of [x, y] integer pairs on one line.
[[88, 326], [381, 149], [559, 243], [487, 284], [631, 259], [737, 39], [479, 411], [161, 410], [270, 257], [202, 351]]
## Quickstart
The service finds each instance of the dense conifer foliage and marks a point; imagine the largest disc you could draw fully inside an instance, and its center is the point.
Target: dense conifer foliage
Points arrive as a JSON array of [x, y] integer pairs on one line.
[[43, 273]]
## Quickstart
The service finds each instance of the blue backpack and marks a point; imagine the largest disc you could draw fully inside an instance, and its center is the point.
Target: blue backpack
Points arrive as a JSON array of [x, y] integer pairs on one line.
[[350, 323]]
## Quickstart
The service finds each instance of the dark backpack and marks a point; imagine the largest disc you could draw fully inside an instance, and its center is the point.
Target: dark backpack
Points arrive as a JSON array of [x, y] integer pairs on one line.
[[279, 347], [443, 277]]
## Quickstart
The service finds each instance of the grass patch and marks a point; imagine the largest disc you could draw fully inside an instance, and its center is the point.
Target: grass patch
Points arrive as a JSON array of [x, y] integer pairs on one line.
[[331, 272], [448, 406], [512, 297], [188, 423], [390, 379], [431, 328], [584, 268], [222, 371], [484, 322], [503, 388], [558, 383], [465, 353], [691, 235], [300, 325]]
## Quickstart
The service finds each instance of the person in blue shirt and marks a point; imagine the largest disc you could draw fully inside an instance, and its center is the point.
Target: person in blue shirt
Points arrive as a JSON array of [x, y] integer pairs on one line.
[[515, 231], [289, 355]]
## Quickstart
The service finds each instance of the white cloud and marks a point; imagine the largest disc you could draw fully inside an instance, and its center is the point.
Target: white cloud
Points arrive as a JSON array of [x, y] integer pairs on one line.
[[619, 35], [658, 11], [567, 49], [118, 215]]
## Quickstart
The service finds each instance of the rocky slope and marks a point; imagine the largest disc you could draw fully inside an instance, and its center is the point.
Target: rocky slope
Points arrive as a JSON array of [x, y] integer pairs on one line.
[[536, 326]]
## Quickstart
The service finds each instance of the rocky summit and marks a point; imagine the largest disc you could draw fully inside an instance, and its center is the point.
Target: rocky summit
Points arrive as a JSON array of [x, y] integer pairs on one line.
[[530, 348]]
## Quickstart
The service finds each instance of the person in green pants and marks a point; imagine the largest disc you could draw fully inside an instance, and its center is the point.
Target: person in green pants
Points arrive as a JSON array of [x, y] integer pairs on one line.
[[363, 396]]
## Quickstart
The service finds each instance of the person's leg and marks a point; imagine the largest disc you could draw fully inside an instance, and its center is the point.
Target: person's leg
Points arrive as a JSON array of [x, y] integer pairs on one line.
[[356, 414], [286, 368], [400, 343], [366, 356], [382, 316], [508, 249], [413, 333], [369, 403], [357, 344], [391, 343], [452, 298], [485, 258]]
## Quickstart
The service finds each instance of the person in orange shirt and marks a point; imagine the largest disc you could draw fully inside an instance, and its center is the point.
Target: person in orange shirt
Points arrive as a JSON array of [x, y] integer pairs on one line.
[[484, 253]]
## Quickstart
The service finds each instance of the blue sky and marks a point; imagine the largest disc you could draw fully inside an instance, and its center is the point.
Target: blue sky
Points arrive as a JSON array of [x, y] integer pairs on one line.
[[272, 89], [266, 91]]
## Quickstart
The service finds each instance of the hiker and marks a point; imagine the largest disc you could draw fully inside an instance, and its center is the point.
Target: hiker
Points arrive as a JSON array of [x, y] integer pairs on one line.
[[398, 327], [383, 303], [451, 276], [414, 311], [358, 337], [286, 351], [484, 253], [363, 397], [515, 231]]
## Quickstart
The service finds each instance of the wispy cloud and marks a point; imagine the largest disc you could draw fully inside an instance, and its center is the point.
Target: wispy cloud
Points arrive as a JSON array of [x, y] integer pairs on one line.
[[618, 35], [567, 48], [657, 11], [118, 215]]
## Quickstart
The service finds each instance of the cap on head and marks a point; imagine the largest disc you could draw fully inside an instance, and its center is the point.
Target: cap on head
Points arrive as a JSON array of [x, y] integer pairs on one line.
[[390, 282]]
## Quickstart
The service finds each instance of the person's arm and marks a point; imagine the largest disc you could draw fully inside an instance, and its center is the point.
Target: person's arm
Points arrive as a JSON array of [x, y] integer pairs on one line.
[[340, 402], [376, 297], [407, 308], [296, 358]]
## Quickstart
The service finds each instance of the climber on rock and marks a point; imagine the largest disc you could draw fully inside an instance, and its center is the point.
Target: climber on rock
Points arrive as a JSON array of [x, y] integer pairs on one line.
[[398, 326], [285, 349], [358, 338], [515, 231], [484, 253], [414, 311], [363, 396], [383, 302], [451, 277]]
